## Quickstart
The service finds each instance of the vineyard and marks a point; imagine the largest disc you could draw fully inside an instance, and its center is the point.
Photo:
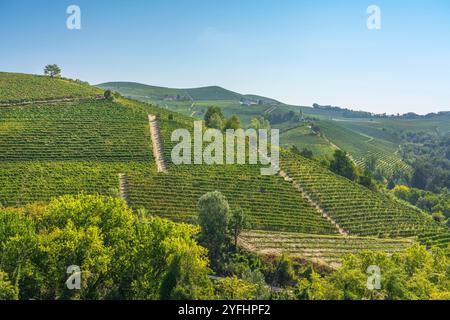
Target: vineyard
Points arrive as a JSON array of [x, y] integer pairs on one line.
[[16, 87], [70, 147], [268, 202], [363, 147], [94, 130], [358, 210], [321, 249]]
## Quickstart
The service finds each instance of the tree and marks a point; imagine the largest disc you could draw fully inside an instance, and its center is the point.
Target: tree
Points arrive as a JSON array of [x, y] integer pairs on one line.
[[233, 288], [342, 165], [294, 149], [416, 273], [215, 122], [52, 70], [108, 95], [120, 256], [209, 114], [7, 290], [237, 223], [233, 123], [214, 219], [419, 178], [259, 123], [315, 128], [284, 273], [438, 216], [366, 180], [370, 164], [306, 153]]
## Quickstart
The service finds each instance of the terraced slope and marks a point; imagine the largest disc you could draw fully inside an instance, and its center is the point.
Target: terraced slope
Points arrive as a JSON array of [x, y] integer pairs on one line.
[[358, 210], [361, 147], [24, 182], [71, 147], [321, 249], [82, 146], [92, 130], [269, 202], [16, 87]]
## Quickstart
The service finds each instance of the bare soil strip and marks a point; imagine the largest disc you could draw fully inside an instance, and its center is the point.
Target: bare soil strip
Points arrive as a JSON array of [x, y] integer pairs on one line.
[[158, 150]]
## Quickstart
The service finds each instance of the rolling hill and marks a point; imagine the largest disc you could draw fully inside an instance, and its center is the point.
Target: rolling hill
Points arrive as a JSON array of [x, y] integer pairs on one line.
[[358, 133], [210, 93], [99, 146]]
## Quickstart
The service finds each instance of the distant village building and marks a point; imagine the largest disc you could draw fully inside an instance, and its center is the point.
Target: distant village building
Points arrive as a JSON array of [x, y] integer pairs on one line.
[[247, 102]]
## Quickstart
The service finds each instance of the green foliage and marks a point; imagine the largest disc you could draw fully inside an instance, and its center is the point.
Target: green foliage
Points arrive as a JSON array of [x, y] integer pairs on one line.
[[409, 275], [238, 222], [367, 181], [365, 141], [343, 166], [214, 118], [215, 122], [108, 95], [305, 152], [259, 123], [282, 272], [438, 204], [233, 288], [52, 70], [7, 290], [233, 123], [428, 152], [119, 255], [214, 220], [64, 148]]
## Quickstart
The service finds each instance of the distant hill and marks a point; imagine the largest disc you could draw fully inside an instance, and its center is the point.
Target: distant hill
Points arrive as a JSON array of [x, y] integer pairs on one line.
[[210, 93]]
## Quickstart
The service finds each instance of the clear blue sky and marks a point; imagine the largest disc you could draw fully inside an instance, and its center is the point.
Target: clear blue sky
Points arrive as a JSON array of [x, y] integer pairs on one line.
[[299, 52]]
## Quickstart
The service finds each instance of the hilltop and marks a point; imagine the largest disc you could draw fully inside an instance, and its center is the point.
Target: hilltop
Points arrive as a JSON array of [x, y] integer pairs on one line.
[[209, 93], [17, 88]]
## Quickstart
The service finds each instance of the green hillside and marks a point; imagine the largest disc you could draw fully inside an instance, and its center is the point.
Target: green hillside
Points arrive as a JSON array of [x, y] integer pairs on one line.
[[361, 146], [83, 146], [194, 102], [15, 87], [137, 90]]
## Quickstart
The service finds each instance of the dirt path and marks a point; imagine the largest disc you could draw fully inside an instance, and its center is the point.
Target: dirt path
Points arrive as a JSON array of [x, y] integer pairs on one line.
[[123, 187], [158, 150], [306, 195]]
